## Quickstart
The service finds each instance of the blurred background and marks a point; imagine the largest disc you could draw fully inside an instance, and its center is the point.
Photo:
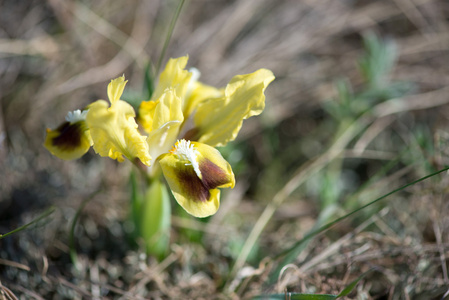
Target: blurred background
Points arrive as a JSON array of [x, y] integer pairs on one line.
[[359, 107]]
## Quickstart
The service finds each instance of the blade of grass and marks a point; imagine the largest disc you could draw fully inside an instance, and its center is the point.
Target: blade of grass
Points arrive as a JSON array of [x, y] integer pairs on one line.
[[332, 223], [350, 201], [168, 36], [303, 173], [352, 285], [42, 216], [314, 166], [294, 296]]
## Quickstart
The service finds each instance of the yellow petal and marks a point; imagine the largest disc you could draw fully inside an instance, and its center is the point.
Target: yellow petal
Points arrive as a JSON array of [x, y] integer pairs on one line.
[[219, 120], [166, 120], [167, 109], [114, 131], [174, 76], [175, 79], [200, 92], [146, 114], [115, 89], [194, 172], [68, 141]]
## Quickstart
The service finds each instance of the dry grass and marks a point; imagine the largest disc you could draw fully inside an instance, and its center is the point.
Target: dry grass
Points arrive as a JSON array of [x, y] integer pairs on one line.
[[57, 56]]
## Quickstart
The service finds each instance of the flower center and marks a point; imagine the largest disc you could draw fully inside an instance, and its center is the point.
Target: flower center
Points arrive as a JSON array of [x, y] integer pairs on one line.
[[187, 152]]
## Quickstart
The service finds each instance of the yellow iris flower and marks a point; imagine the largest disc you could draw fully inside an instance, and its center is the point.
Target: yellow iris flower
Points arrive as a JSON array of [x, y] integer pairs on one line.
[[183, 115]]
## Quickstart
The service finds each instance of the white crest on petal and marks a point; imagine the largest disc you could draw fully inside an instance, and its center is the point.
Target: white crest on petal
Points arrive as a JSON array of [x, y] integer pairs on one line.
[[186, 151], [76, 116], [193, 79], [195, 74]]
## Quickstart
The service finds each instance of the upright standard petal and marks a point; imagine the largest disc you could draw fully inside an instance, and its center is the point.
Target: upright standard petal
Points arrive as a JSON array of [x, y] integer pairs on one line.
[[114, 130], [218, 121], [194, 172], [146, 114], [174, 76], [165, 122]]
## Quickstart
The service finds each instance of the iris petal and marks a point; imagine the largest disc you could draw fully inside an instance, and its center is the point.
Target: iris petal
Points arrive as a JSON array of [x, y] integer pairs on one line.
[[116, 88], [165, 123], [174, 76], [114, 129], [68, 141], [196, 188], [200, 92], [146, 114], [218, 120]]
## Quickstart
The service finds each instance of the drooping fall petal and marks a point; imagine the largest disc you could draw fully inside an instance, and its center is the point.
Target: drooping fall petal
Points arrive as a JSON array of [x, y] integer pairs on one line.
[[114, 129], [68, 141], [194, 172], [218, 120]]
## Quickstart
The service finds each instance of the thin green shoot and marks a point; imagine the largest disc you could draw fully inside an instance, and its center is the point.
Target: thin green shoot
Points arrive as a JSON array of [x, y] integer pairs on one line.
[[168, 36], [332, 223], [298, 296], [44, 215]]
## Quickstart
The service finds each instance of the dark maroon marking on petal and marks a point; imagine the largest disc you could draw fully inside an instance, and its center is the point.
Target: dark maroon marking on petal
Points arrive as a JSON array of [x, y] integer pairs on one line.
[[69, 136], [212, 174], [192, 184], [192, 134]]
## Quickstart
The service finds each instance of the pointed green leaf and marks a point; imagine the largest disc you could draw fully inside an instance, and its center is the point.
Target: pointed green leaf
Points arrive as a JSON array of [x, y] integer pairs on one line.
[[351, 286], [48, 212]]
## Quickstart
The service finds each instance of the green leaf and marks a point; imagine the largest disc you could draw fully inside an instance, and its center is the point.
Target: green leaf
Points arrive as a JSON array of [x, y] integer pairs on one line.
[[292, 252], [379, 60], [351, 286], [44, 215], [295, 296]]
